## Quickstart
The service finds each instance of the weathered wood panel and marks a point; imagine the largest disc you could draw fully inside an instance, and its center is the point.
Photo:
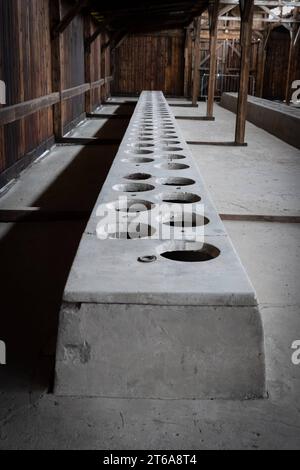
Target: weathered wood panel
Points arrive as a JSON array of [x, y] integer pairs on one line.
[[25, 66], [73, 63], [150, 62], [96, 66], [276, 64]]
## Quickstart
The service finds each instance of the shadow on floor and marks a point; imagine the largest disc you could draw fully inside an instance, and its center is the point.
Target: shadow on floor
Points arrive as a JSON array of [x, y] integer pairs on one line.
[[36, 258]]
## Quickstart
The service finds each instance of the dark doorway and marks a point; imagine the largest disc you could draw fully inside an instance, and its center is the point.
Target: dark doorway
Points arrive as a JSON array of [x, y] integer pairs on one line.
[[276, 67]]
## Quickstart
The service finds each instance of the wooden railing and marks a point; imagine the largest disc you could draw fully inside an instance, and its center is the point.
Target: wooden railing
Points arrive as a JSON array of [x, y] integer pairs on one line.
[[9, 114]]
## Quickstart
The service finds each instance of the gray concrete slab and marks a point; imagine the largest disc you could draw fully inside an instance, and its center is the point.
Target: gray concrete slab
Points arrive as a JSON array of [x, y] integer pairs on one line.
[[280, 244]]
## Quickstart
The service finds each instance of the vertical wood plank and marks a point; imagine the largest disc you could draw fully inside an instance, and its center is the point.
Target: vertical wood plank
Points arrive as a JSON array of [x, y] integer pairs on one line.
[[56, 54], [88, 65], [247, 12]]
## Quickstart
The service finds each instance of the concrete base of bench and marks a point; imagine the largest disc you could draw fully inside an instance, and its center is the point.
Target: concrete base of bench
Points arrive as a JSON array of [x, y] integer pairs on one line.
[[139, 351], [276, 118]]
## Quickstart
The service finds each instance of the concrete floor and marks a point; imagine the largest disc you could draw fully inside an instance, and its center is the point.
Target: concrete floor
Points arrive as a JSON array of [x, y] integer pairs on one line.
[[36, 258]]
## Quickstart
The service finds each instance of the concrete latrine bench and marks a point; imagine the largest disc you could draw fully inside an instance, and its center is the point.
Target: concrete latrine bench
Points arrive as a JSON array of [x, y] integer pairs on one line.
[[144, 316]]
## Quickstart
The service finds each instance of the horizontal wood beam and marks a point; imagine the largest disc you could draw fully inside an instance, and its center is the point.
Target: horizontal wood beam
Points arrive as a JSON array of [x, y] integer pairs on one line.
[[260, 18], [98, 83], [75, 91], [149, 9], [16, 112], [109, 79], [9, 114]]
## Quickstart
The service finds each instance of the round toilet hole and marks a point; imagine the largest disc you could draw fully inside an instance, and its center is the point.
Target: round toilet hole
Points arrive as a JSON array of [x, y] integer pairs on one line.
[[133, 187], [172, 149], [180, 198], [192, 253], [141, 151], [130, 231], [173, 166], [173, 157], [185, 220], [171, 134], [131, 206], [168, 142], [142, 146], [144, 134], [176, 181], [138, 177], [138, 160], [144, 139]]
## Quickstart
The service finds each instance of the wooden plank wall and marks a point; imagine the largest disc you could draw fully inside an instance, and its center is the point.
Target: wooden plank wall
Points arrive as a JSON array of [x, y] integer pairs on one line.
[[25, 66], [73, 70], [96, 72], [150, 62]]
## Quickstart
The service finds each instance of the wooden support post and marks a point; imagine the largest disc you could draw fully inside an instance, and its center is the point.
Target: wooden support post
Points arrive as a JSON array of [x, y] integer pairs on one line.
[[88, 66], [247, 12], [57, 58], [213, 10], [188, 63], [197, 59]]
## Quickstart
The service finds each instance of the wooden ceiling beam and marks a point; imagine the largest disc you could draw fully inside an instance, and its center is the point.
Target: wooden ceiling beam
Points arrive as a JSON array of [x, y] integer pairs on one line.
[[260, 18], [190, 8], [270, 4], [139, 10]]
